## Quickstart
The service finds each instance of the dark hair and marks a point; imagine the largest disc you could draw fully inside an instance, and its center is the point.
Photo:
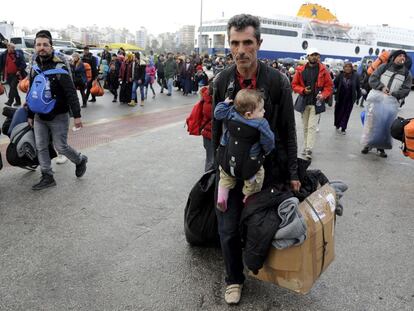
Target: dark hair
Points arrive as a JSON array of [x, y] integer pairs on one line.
[[242, 21], [44, 34], [247, 100]]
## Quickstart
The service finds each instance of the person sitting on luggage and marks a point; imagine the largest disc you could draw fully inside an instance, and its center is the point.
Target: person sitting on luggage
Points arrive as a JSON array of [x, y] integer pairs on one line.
[[245, 127]]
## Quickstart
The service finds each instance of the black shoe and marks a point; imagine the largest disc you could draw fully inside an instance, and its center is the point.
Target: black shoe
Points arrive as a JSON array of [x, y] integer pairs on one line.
[[81, 167], [168, 94], [45, 182], [382, 153], [114, 100], [84, 106], [365, 150], [92, 100], [8, 104], [162, 91], [17, 104]]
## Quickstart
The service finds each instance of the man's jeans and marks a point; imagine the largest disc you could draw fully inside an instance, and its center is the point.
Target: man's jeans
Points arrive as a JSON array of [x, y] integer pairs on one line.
[[170, 85], [135, 85], [58, 129], [13, 93], [228, 227]]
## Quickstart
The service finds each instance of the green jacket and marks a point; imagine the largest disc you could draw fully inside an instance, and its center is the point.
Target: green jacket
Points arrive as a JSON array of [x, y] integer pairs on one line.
[[170, 69]]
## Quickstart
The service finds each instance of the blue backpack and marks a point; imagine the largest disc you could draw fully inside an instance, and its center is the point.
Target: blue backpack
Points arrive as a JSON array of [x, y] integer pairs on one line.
[[39, 98]]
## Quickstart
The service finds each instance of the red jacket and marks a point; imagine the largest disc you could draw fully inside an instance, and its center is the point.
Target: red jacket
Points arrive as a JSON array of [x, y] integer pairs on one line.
[[324, 81], [207, 112]]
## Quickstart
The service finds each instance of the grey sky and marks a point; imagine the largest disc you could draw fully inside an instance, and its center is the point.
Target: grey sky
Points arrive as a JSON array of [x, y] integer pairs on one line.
[[168, 15]]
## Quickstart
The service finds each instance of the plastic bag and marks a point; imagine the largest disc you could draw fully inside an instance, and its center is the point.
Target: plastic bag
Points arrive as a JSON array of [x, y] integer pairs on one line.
[[381, 110]]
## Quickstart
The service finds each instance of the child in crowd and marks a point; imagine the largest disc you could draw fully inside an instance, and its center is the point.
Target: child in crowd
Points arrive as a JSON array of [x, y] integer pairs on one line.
[[248, 109]]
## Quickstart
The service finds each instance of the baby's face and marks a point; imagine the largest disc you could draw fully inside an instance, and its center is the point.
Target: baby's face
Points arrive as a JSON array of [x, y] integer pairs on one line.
[[258, 113]]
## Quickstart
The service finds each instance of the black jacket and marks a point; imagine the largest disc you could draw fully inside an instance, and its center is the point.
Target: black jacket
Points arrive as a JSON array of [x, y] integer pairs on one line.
[[62, 88], [282, 163]]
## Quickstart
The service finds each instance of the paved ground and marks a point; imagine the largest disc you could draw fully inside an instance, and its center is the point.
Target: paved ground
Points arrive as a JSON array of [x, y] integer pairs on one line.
[[114, 240]]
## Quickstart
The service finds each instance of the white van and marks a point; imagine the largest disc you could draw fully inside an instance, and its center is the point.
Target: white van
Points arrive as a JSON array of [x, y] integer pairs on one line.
[[23, 42]]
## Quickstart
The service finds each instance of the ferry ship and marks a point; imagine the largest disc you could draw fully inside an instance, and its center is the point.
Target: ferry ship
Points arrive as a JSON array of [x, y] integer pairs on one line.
[[314, 26]]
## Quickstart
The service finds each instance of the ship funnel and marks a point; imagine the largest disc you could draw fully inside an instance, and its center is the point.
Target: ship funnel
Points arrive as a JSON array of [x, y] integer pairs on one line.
[[315, 11]]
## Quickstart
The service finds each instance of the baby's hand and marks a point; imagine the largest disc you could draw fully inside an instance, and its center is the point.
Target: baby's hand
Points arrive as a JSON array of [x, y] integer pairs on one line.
[[228, 100]]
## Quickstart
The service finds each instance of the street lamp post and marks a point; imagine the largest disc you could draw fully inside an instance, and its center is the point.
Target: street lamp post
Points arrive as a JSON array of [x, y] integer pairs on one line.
[[200, 39]]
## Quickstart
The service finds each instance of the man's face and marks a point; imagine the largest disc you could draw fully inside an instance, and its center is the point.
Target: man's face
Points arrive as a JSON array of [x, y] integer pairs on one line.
[[244, 47], [43, 47], [400, 59], [10, 48], [313, 58], [348, 68]]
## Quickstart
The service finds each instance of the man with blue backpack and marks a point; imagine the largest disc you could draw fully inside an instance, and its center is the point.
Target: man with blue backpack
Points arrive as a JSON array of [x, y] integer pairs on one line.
[[51, 95]]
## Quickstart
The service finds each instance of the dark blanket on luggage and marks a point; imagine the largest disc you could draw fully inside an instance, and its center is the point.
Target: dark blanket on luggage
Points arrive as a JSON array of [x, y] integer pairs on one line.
[[258, 225]]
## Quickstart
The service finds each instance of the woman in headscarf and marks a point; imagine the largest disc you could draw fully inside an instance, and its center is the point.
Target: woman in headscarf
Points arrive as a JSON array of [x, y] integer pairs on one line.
[[347, 91]]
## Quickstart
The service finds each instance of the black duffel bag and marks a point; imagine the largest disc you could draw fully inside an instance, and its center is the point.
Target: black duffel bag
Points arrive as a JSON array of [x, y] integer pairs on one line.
[[200, 221]]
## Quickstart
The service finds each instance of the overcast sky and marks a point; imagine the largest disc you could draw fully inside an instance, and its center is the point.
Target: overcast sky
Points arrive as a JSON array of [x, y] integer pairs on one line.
[[168, 15]]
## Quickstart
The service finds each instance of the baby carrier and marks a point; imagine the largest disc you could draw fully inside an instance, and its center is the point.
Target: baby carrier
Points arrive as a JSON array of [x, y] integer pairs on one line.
[[235, 157]]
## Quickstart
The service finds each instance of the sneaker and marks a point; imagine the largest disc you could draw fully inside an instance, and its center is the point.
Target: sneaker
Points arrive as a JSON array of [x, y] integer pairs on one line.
[[45, 182], [168, 94], [92, 100], [338, 130], [233, 294], [81, 167], [365, 150], [343, 132], [132, 103], [153, 96], [142, 104], [61, 159]]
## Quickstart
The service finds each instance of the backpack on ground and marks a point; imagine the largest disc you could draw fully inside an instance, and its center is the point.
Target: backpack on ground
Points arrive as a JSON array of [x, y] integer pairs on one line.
[[88, 71], [40, 98], [195, 120]]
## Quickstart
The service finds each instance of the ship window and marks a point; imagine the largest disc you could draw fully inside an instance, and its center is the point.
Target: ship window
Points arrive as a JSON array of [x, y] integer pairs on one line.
[[304, 45], [371, 50], [357, 50], [395, 46], [377, 52], [279, 32]]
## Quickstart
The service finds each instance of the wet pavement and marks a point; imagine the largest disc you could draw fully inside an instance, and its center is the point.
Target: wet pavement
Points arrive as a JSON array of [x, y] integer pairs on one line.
[[113, 240]]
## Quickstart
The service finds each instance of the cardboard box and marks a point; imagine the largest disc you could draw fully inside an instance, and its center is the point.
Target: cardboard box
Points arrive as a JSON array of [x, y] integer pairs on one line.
[[297, 268]]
